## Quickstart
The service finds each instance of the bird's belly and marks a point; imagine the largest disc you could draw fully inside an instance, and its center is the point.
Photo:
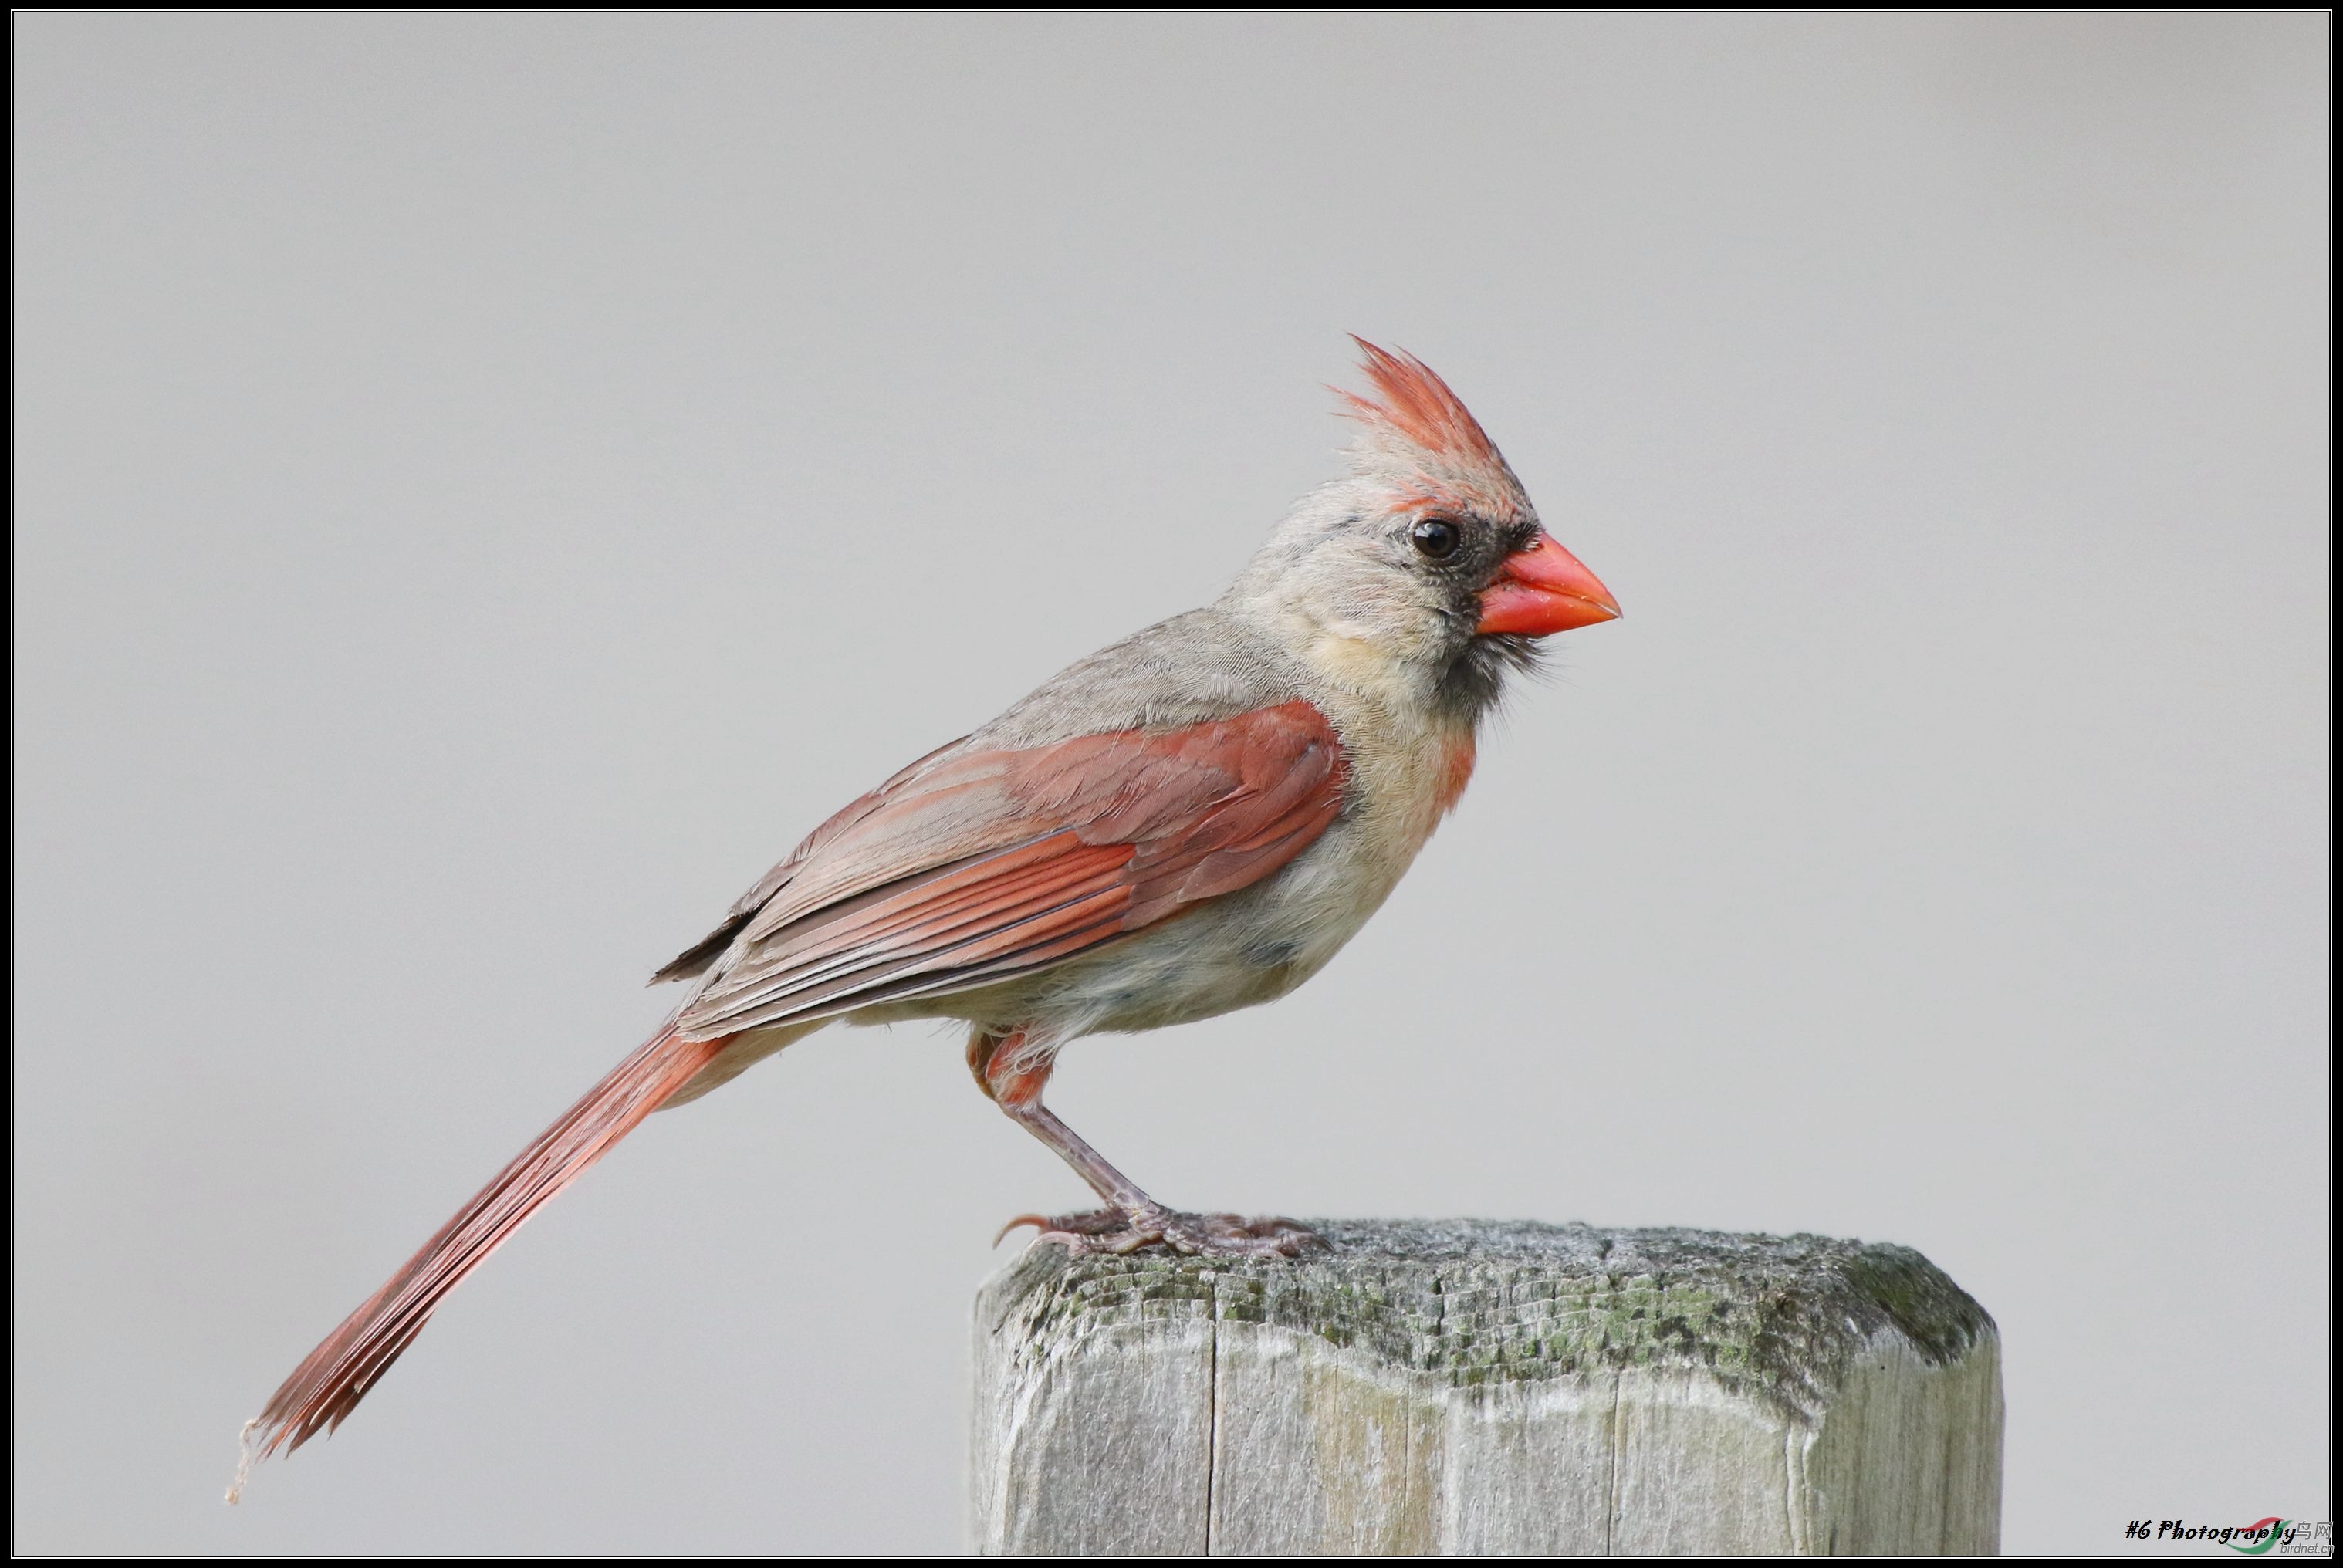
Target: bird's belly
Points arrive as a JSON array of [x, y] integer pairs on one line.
[[1236, 951]]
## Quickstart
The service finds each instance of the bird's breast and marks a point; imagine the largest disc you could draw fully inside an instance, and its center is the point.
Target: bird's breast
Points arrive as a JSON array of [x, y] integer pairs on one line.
[[1402, 779], [1406, 775]]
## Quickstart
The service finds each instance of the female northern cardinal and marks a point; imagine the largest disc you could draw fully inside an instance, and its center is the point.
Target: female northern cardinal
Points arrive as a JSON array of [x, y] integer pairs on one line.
[[1189, 821]]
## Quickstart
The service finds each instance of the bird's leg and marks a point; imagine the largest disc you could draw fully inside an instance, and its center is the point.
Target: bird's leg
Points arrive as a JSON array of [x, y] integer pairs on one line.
[[1013, 1078]]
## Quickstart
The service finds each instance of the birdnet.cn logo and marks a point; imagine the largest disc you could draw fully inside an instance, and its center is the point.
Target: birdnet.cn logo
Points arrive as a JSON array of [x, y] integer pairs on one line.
[[2274, 1536]]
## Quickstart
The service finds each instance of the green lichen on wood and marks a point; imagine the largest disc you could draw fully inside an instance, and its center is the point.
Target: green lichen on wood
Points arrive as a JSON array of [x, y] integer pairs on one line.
[[1477, 1302]]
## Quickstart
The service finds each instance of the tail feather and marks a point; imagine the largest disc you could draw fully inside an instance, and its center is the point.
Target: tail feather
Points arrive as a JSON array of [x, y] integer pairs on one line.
[[325, 1388]]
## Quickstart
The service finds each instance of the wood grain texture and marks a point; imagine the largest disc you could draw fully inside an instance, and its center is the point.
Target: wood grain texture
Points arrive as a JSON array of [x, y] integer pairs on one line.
[[1477, 1386]]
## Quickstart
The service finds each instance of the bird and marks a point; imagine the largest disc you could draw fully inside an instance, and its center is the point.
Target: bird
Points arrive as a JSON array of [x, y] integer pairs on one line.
[[1189, 821]]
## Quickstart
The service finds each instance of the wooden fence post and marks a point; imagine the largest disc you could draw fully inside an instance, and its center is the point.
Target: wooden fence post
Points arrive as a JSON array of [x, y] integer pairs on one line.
[[1474, 1386]]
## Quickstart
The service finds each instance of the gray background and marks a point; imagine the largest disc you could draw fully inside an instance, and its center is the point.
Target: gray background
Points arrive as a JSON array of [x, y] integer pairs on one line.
[[486, 487]]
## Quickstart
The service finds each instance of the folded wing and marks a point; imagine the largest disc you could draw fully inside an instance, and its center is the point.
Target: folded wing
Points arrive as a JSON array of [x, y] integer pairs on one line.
[[970, 868]]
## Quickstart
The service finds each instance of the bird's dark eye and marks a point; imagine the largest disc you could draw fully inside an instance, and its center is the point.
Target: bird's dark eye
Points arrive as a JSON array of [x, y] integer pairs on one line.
[[1436, 537]]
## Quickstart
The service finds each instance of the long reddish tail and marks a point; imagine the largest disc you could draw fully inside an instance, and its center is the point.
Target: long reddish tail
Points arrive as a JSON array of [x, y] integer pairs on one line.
[[327, 1387]]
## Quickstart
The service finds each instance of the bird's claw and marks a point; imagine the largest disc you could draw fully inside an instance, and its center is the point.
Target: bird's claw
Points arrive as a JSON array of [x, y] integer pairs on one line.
[[1039, 1222], [1118, 1231]]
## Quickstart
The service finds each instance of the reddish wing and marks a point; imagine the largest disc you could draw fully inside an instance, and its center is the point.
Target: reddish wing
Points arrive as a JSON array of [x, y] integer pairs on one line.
[[994, 863]]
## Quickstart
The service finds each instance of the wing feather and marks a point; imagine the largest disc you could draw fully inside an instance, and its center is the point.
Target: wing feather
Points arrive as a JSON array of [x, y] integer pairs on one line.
[[970, 868]]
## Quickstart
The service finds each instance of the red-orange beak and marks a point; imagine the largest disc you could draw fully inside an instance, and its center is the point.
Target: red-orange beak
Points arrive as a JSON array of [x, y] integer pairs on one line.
[[1543, 590]]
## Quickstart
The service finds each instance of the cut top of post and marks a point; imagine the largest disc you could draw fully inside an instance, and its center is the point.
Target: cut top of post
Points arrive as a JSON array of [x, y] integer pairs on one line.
[[1470, 1301]]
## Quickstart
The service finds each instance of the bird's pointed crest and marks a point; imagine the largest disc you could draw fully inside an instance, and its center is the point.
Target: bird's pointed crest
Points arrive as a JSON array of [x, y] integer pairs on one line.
[[1418, 424], [1417, 407]]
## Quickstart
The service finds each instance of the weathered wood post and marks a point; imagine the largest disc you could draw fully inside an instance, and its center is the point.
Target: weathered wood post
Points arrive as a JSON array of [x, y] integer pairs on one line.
[[1470, 1386]]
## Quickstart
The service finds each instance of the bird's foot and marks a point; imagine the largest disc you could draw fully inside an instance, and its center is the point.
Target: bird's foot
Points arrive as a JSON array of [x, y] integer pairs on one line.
[[1121, 1230]]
